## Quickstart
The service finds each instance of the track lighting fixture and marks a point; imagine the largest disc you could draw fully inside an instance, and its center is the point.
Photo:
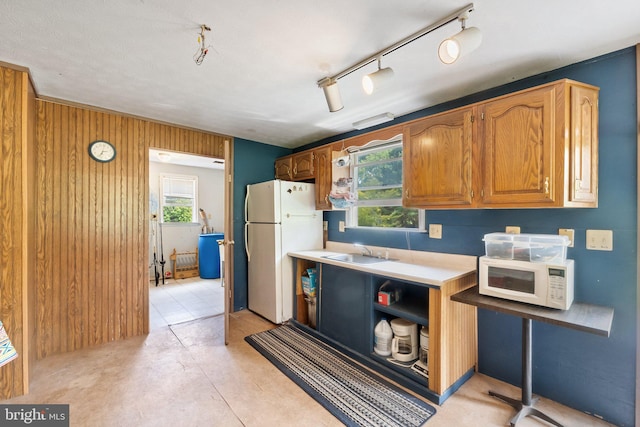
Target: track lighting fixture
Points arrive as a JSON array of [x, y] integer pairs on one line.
[[467, 40], [332, 94], [373, 81]]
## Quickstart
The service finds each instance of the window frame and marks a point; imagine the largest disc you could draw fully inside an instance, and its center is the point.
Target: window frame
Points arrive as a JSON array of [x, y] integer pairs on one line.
[[351, 214], [174, 176]]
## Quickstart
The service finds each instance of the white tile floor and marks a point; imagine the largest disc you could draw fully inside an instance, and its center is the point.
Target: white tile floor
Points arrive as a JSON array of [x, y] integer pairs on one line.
[[183, 300]]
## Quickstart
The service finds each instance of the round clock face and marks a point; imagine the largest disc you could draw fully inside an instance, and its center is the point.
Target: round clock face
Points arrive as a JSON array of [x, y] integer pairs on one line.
[[102, 151]]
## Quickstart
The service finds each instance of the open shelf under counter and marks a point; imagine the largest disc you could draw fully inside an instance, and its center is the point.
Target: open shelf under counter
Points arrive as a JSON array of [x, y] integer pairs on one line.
[[414, 311], [404, 370]]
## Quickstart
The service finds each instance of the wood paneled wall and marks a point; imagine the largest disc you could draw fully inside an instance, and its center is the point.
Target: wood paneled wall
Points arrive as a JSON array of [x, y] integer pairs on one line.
[[17, 100], [92, 218]]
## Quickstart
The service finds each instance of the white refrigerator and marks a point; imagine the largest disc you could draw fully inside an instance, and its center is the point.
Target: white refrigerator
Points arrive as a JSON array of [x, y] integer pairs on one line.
[[280, 217]]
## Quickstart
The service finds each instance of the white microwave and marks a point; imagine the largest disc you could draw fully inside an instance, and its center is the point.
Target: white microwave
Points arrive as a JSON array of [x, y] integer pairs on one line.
[[547, 285]]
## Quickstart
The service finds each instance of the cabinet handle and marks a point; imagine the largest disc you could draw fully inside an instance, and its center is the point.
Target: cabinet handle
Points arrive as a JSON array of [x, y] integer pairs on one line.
[[472, 194], [295, 170], [406, 193], [326, 199], [546, 185], [578, 184]]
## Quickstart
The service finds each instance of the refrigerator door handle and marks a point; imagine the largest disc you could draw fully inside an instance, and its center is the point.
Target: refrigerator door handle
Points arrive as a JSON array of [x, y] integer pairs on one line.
[[246, 205], [246, 241], [291, 215]]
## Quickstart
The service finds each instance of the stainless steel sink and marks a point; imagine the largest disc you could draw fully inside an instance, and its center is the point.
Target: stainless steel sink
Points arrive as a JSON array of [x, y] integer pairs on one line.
[[356, 258]]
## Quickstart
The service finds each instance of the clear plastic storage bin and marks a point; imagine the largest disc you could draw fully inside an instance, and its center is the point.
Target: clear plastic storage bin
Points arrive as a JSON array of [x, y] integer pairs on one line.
[[549, 248]]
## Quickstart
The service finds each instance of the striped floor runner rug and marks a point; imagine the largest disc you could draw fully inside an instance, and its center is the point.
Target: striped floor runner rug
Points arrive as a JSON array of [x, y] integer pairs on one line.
[[356, 396]]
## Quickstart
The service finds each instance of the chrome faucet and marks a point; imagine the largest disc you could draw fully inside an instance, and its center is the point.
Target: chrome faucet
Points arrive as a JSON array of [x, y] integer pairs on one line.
[[365, 250]]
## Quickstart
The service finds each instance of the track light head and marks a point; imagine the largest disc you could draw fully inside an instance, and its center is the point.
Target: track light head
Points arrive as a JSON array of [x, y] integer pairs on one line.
[[373, 81], [331, 94], [466, 41]]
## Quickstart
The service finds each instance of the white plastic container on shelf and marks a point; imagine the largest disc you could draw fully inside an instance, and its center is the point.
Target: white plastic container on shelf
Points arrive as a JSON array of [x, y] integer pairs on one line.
[[549, 248], [383, 337]]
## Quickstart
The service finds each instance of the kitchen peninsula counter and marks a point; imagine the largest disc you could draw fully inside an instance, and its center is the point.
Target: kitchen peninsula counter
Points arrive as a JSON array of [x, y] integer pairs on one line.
[[347, 309], [427, 268]]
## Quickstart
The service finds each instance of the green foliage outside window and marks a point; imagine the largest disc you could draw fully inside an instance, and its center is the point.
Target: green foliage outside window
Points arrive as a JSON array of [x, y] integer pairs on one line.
[[388, 216], [177, 214], [379, 187]]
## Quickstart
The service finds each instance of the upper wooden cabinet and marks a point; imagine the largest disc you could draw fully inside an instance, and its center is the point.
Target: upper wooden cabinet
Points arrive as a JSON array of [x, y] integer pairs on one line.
[[309, 165], [437, 159], [322, 158], [519, 144], [296, 167], [534, 148], [284, 169], [303, 167]]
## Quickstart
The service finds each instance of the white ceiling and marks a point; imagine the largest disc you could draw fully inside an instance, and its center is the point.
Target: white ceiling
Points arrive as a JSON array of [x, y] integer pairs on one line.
[[258, 80]]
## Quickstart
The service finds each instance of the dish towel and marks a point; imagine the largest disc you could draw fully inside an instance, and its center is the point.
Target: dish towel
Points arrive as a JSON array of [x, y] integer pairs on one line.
[[7, 351]]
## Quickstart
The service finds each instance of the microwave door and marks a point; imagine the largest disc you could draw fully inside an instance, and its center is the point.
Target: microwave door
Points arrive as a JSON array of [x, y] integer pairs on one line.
[[513, 280], [519, 281]]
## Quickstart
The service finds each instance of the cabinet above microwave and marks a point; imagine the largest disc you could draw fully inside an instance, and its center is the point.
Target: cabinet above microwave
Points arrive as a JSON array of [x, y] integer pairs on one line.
[[530, 149]]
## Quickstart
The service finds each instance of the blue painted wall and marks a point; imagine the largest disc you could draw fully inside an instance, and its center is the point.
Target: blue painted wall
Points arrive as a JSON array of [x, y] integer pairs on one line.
[[584, 371], [253, 162]]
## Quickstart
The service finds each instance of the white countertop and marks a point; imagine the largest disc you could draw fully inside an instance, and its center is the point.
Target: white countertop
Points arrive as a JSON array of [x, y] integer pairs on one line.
[[434, 272]]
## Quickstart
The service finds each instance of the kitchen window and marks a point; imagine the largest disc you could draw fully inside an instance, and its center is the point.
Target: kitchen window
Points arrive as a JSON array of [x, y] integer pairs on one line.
[[179, 200], [377, 184]]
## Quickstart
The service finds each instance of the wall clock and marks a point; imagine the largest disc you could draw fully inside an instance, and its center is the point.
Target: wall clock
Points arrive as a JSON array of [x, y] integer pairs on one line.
[[102, 151]]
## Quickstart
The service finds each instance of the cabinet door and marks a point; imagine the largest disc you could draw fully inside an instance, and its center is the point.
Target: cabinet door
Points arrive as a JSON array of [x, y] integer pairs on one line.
[[437, 160], [518, 149], [322, 157], [345, 307], [283, 168], [303, 166], [583, 174]]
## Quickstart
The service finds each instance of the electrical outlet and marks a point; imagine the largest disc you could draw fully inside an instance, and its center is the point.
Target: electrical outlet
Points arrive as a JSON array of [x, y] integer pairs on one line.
[[325, 225], [341, 226], [512, 229], [569, 232], [435, 231], [600, 240]]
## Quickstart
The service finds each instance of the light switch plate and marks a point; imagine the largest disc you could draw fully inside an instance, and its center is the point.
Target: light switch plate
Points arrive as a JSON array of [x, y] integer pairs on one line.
[[435, 231], [600, 240], [569, 232], [341, 226]]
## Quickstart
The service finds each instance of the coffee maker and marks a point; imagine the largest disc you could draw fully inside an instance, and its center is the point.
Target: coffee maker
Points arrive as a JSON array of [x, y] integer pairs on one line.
[[404, 345]]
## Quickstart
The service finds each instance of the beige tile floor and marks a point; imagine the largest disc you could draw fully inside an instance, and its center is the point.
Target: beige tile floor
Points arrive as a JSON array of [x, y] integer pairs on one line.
[[184, 375], [183, 300]]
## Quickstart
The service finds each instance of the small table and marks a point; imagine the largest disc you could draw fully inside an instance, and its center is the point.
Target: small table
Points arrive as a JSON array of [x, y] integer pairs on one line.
[[582, 317]]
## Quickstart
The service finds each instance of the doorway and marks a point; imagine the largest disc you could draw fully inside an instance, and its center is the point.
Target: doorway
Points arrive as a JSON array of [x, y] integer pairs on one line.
[[177, 293]]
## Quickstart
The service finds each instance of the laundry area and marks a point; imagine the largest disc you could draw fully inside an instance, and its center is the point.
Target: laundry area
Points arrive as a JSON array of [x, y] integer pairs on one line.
[[186, 225]]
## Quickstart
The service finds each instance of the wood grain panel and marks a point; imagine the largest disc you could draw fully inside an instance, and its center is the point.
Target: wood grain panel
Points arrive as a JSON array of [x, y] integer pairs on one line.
[[92, 250], [452, 349], [16, 272], [437, 164]]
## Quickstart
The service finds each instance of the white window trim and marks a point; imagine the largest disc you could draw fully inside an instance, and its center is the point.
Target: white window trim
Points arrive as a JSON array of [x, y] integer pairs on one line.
[[194, 216], [351, 214]]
